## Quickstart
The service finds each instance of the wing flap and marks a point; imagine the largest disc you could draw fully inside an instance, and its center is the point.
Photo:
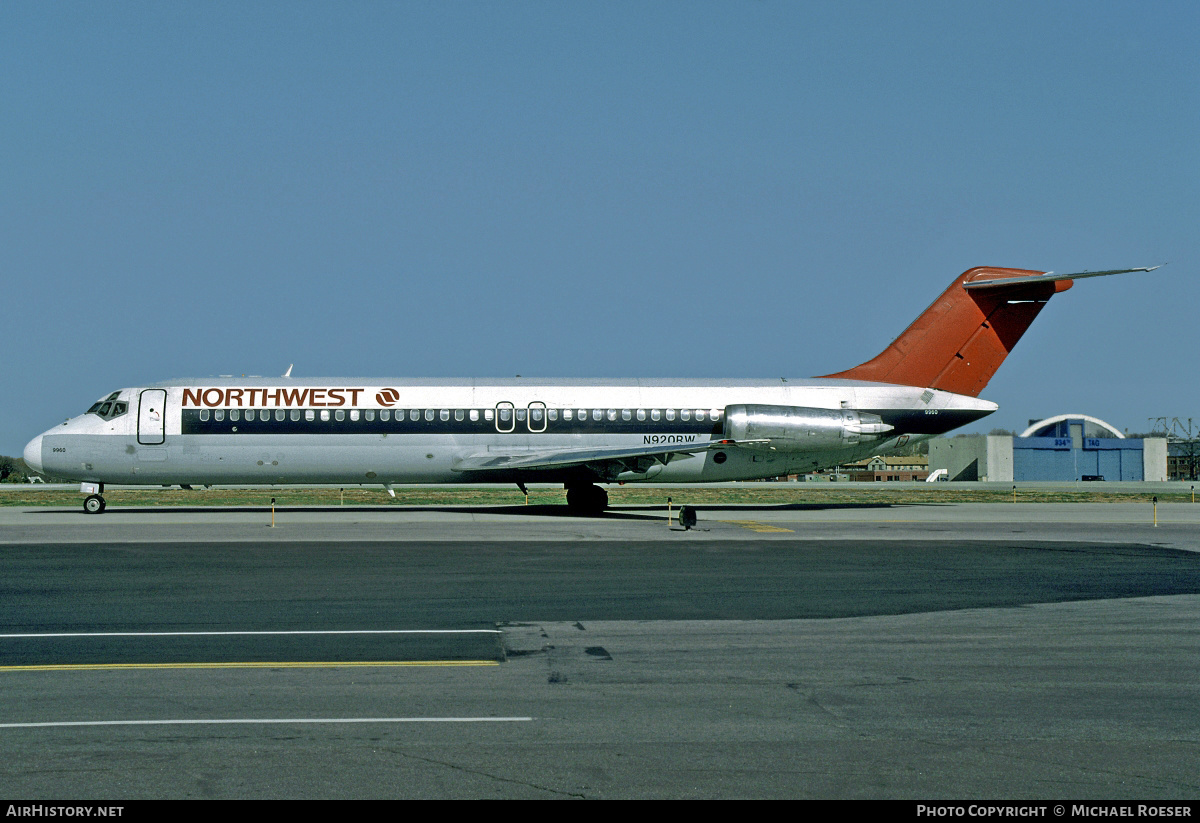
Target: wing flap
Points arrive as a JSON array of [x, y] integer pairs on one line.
[[566, 458]]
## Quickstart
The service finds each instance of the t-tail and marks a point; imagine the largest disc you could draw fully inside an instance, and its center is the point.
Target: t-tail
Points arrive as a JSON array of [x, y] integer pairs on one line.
[[957, 343]]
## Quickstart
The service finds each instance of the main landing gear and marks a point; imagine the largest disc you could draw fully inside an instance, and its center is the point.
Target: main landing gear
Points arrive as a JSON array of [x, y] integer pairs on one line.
[[589, 499]]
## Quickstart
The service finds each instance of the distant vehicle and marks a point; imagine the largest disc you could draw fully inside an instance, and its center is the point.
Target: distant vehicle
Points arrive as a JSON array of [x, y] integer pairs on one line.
[[938, 474], [576, 432], [1092, 477]]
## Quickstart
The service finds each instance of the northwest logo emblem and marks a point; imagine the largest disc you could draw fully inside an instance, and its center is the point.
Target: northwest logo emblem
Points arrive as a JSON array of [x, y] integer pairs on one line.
[[388, 397]]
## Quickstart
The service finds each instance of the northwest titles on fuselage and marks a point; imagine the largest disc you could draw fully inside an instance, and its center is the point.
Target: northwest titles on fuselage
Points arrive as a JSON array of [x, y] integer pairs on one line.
[[279, 397]]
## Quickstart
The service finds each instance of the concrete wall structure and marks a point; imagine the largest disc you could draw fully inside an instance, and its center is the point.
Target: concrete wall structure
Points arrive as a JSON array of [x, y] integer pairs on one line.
[[974, 457], [1154, 454]]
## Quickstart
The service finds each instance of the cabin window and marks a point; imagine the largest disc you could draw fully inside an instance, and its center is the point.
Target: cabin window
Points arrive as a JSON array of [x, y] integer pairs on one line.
[[444, 415], [385, 415], [597, 414], [325, 415], [235, 415], [280, 415], [685, 414], [655, 414], [338, 415], [714, 414], [474, 415], [369, 414], [489, 415], [670, 414], [552, 415], [699, 414], [612, 414], [505, 415], [310, 415], [413, 415], [567, 414], [626, 415], [459, 415], [641, 414], [250, 415], [521, 415], [204, 415], [535, 415], [429, 415], [294, 415], [219, 414], [353, 414]]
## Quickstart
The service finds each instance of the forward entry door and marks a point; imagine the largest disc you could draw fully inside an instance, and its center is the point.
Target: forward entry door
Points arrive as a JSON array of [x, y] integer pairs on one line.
[[152, 413]]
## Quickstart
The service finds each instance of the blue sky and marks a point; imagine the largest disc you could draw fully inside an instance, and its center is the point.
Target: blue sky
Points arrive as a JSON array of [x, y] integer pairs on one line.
[[743, 189]]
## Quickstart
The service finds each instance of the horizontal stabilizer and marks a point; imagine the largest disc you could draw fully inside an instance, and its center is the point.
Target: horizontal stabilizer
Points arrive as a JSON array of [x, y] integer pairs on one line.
[[1048, 277]]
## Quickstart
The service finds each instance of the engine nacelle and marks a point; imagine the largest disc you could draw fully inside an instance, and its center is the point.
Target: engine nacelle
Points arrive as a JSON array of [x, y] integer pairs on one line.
[[796, 428]]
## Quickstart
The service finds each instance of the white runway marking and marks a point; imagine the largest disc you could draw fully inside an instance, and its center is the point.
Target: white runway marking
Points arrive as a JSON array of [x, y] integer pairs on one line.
[[226, 634], [253, 721]]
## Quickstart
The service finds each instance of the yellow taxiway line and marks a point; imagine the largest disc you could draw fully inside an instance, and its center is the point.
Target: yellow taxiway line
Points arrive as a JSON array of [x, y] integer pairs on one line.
[[755, 526]]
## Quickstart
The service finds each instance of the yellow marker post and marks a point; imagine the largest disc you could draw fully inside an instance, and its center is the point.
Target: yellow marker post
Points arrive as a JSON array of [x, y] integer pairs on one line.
[[1156, 512], [342, 497], [272, 512], [668, 512], [1014, 492]]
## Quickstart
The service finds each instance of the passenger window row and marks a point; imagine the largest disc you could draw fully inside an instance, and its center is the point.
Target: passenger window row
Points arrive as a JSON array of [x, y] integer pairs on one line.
[[506, 414]]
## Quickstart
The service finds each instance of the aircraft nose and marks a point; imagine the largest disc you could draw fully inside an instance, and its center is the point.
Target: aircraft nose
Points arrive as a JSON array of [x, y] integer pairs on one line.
[[33, 454]]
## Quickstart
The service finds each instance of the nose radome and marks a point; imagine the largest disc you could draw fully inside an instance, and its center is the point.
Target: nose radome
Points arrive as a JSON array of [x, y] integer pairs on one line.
[[33, 454]]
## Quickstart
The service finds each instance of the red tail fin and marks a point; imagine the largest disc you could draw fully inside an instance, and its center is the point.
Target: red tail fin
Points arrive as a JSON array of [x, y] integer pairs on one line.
[[958, 342]]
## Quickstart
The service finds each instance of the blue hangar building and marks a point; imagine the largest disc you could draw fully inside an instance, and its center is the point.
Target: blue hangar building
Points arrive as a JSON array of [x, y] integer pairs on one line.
[[1065, 447]]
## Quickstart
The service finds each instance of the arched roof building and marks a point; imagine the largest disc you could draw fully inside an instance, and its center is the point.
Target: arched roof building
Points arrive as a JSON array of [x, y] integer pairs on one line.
[[1064, 447], [1060, 426]]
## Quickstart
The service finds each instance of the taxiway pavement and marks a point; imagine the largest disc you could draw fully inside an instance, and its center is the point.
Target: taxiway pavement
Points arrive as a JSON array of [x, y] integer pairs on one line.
[[974, 651]]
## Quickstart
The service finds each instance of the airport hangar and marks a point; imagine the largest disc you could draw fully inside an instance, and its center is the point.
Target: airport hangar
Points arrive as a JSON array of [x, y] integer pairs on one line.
[[1065, 447]]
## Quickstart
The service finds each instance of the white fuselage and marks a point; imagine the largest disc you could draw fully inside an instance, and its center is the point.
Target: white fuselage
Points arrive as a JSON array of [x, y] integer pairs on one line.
[[372, 431]]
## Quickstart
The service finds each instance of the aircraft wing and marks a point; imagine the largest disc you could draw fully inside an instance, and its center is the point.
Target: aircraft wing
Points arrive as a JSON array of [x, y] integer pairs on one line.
[[607, 460]]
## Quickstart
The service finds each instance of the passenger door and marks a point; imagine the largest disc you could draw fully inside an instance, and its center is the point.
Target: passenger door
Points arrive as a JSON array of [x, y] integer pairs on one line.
[[152, 413]]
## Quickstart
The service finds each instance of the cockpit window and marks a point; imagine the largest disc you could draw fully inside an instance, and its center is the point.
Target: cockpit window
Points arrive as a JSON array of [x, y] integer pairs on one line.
[[107, 408]]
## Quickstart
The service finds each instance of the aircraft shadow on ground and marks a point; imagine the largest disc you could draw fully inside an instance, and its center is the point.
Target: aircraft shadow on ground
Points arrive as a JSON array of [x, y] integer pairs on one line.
[[632, 512]]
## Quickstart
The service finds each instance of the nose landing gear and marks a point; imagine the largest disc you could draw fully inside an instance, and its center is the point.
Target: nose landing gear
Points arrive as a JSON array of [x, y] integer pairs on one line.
[[94, 502]]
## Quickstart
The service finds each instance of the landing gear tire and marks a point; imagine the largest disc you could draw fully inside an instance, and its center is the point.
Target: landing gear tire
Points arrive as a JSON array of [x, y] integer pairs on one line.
[[589, 500], [93, 504]]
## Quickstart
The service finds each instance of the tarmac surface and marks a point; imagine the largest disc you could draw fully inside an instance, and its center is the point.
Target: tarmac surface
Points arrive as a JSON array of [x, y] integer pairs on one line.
[[988, 651]]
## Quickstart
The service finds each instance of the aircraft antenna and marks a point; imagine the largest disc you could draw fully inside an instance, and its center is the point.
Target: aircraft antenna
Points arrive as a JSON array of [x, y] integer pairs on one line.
[[288, 373]]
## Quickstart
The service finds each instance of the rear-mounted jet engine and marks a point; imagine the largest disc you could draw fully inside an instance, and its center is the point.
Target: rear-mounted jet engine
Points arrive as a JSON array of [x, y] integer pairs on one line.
[[795, 428]]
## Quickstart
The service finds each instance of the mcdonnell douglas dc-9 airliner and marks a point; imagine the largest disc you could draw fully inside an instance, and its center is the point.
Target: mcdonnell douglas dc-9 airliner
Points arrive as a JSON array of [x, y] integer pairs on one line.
[[575, 432]]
